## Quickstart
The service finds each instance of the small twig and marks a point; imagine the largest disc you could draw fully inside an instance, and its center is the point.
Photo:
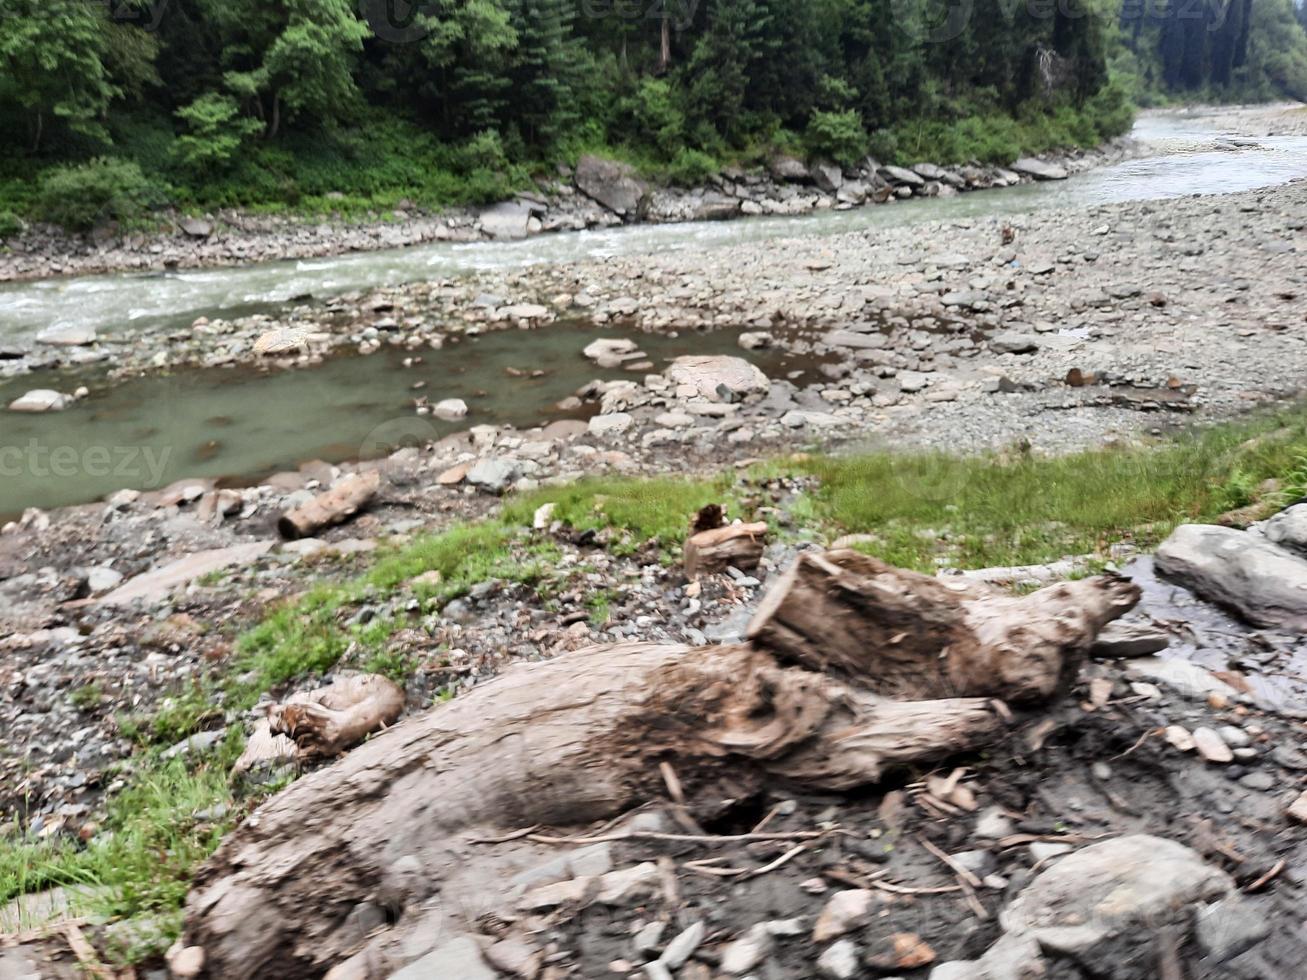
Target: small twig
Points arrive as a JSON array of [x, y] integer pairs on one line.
[[1142, 739], [792, 853], [86, 955], [679, 838], [1267, 878], [674, 789], [885, 886], [972, 900], [515, 835], [957, 868], [757, 828]]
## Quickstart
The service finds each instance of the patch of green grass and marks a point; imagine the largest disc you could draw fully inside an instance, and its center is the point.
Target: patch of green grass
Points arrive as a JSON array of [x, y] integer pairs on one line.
[[982, 511], [87, 696], [655, 510]]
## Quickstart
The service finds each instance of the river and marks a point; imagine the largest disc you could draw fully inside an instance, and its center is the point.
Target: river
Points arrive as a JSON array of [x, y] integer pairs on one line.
[[1188, 156]]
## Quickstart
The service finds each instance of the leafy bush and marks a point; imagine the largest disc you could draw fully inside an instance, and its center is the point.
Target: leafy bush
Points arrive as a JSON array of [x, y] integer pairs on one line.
[[838, 136], [105, 189], [690, 168], [217, 131], [10, 224]]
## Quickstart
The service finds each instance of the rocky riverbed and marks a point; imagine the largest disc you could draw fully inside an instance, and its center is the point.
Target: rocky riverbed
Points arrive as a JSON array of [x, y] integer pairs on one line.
[[596, 194], [1040, 332]]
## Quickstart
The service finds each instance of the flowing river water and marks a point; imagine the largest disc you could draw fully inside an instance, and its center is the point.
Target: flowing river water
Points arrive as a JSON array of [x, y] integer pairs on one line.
[[242, 423]]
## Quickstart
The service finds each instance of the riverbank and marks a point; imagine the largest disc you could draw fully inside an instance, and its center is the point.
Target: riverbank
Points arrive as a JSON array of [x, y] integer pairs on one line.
[[597, 194]]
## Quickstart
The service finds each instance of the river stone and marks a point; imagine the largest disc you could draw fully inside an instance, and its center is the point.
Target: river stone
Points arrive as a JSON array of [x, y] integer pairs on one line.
[[1264, 583], [524, 311], [839, 961], [1013, 342], [611, 352], [40, 400], [859, 341], [280, 341], [1288, 529], [1212, 747], [493, 474], [709, 374], [1030, 167], [612, 184], [612, 424], [450, 409], [928, 170], [459, 957], [67, 336], [506, 221], [901, 175], [155, 585], [846, 910], [1114, 893], [1121, 640], [196, 227], [828, 177], [787, 168], [1230, 927]]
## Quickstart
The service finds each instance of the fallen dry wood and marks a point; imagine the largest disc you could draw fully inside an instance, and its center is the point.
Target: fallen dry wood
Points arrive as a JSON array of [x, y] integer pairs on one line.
[[581, 738], [323, 723], [886, 627], [335, 506], [709, 552]]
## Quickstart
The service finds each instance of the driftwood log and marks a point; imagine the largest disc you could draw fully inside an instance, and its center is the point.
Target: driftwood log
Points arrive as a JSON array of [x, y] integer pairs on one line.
[[323, 723], [905, 670], [709, 552], [339, 504]]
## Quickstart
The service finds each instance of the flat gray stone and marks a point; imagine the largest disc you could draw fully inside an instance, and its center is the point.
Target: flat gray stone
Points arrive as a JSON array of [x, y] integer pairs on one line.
[[1288, 529], [1030, 167], [507, 221], [1264, 583], [901, 176], [1229, 928], [1124, 887], [459, 958], [39, 400], [155, 585]]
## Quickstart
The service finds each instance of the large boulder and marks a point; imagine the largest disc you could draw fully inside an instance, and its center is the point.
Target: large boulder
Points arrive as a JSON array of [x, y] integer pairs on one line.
[[901, 176], [1288, 529], [1030, 167], [718, 378], [828, 177], [787, 169], [506, 221], [612, 184], [1243, 571], [1102, 906]]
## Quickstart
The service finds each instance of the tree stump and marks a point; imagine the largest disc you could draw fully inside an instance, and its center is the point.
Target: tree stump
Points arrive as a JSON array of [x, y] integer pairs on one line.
[[710, 552]]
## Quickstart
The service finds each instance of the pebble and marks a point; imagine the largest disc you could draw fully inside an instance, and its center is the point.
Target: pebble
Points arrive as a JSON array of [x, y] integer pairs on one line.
[[1211, 746], [839, 961]]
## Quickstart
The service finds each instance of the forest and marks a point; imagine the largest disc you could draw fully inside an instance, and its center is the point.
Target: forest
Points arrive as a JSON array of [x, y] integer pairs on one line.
[[114, 107]]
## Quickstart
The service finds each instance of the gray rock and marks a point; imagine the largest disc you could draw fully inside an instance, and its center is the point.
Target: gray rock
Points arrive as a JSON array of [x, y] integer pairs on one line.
[[1187, 679], [1230, 927], [459, 957], [707, 374], [787, 168], [828, 177], [929, 171], [493, 474], [743, 954], [1030, 167], [450, 409], [1121, 640], [859, 341], [913, 381], [196, 227], [196, 744], [612, 184], [1012, 342], [1115, 891], [901, 176], [839, 961], [611, 424], [1264, 583], [1288, 529], [680, 949], [67, 336], [40, 400], [506, 221]]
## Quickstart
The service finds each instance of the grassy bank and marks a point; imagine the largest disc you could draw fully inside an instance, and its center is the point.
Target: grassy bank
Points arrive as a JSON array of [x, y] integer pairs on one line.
[[921, 511]]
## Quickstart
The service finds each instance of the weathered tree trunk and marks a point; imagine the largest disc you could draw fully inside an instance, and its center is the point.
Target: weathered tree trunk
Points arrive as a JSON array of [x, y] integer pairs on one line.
[[711, 551], [894, 631], [581, 738], [338, 504]]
